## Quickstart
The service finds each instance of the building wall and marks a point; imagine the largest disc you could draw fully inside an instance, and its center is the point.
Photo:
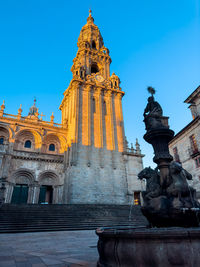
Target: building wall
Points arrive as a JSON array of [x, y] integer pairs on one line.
[[187, 158]]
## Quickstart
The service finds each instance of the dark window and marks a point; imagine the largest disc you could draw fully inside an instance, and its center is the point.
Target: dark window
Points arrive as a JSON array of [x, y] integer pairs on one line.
[[51, 147], [93, 45], [193, 143], [176, 155], [27, 144], [197, 162], [94, 68], [115, 83], [1, 141], [137, 198]]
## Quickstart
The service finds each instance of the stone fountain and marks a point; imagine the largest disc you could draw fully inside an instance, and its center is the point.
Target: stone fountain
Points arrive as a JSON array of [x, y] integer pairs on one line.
[[172, 237]]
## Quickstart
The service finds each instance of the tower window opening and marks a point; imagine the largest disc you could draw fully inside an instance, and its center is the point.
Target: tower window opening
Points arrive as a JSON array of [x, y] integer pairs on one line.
[[51, 147], [76, 72], [111, 85], [1, 141], [104, 107], [115, 83], [27, 144], [93, 45], [94, 105], [94, 68]]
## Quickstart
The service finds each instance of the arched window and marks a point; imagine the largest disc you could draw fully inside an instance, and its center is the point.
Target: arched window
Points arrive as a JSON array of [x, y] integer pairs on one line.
[[27, 144], [1, 140], [93, 45], [51, 147], [115, 83], [94, 68]]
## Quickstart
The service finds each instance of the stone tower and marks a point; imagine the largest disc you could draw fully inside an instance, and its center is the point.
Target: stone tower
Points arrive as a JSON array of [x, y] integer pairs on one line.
[[95, 168]]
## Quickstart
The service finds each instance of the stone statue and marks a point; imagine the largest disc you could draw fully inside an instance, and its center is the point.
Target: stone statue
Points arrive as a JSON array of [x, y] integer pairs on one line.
[[184, 196], [153, 188], [153, 113], [165, 205]]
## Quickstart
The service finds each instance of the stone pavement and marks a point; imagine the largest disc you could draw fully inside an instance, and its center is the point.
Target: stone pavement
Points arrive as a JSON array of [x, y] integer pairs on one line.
[[53, 249]]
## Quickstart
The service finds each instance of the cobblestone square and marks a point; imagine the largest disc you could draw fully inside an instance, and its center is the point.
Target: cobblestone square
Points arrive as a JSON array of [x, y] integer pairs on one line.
[[54, 249]]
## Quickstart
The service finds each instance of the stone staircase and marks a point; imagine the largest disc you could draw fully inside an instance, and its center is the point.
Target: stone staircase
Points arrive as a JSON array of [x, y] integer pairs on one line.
[[35, 218]]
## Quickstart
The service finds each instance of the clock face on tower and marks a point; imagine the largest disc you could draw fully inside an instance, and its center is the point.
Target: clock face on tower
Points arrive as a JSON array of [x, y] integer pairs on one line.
[[99, 78]]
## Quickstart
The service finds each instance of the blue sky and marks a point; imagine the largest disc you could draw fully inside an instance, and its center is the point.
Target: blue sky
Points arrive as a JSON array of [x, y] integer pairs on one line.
[[151, 42]]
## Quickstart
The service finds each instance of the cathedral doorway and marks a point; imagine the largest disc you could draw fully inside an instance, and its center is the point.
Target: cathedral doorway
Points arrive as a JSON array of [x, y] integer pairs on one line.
[[46, 194], [20, 194]]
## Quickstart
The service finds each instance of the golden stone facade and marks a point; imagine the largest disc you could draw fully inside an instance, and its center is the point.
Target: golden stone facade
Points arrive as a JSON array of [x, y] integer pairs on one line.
[[83, 160]]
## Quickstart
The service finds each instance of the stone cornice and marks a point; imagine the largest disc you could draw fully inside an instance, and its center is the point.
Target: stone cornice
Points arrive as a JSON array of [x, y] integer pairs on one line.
[[185, 129], [37, 156], [194, 95], [31, 124]]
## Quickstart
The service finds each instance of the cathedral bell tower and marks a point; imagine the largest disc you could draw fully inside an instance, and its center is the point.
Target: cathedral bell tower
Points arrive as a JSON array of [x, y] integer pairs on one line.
[[92, 112], [91, 107]]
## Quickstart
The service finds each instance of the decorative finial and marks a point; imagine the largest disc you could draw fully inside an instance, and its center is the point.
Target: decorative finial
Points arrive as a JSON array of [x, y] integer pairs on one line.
[[90, 19], [2, 108], [34, 101], [137, 146], [52, 118], [151, 90], [19, 112], [41, 116]]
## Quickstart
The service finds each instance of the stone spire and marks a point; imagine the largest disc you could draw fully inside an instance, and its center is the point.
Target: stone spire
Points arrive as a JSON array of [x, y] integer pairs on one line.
[[92, 56]]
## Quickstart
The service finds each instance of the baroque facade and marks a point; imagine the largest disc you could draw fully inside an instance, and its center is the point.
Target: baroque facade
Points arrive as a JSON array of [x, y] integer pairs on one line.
[[86, 158], [185, 146]]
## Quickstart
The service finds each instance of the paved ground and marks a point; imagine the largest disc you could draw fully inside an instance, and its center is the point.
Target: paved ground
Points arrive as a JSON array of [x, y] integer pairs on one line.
[[54, 249]]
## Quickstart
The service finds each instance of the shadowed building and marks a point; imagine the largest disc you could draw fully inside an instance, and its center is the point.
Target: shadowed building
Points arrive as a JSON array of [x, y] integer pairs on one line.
[[85, 159], [185, 146]]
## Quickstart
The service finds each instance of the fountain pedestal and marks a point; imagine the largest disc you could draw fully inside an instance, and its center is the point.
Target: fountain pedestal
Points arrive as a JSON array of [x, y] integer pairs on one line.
[[159, 139], [149, 247]]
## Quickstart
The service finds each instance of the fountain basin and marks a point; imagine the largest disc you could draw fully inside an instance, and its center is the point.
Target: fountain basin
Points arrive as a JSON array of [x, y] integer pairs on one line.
[[148, 247]]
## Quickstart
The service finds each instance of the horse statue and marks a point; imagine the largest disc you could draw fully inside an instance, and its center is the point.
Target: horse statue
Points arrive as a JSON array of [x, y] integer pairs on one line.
[[153, 188], [179, 187]]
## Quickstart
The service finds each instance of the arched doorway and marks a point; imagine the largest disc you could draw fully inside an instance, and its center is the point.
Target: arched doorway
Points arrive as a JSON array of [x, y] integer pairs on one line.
[[22, 180], [47, 180], [46, 194]]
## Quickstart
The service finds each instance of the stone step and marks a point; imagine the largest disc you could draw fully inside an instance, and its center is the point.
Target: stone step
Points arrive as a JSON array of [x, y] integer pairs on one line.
[[25, 218]]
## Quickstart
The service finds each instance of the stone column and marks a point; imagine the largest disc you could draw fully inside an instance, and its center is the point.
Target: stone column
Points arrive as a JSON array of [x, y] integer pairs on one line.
[[98, 129], [110, 142], [30, 194], [36, 193], [119, 121]]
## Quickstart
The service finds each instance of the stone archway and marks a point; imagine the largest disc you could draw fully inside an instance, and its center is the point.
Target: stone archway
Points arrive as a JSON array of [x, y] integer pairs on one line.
[[48, 181], [22, 180]]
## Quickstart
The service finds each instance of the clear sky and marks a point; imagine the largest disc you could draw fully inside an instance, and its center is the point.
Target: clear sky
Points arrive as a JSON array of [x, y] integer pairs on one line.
[[151, 42]]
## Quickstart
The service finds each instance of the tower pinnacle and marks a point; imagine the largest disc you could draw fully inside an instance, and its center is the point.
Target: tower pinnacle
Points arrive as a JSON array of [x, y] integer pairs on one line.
[[90, 19]]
